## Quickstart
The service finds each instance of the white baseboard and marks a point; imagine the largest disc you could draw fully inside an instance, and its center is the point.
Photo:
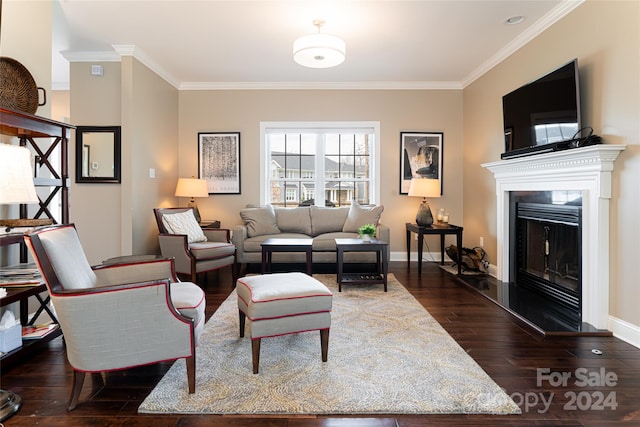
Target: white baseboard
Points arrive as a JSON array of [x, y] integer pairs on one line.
[[625, 331], [426, 256]]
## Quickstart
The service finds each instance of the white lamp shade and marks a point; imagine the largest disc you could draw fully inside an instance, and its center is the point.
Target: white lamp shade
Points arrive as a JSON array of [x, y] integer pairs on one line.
[[319, 51], [424, 187], [16, 176], [192, 187]]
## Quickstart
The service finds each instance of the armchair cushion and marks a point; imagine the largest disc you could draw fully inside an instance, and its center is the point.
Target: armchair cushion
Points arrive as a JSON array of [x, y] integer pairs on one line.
[[184, 223], [361, 215], [211, 250], [189, 300]]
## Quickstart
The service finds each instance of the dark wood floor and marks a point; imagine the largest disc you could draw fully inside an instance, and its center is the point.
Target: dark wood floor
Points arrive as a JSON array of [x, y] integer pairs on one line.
[[508, 352]]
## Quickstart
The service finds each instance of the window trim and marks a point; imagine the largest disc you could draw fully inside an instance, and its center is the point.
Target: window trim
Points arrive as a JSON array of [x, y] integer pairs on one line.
[[302, 127]]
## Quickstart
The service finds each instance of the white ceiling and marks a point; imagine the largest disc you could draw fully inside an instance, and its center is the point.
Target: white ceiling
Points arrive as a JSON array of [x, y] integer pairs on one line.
[[248, 43]]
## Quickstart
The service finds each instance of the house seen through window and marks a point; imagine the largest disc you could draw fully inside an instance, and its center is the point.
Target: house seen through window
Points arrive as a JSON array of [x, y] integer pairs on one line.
[[322, 164]]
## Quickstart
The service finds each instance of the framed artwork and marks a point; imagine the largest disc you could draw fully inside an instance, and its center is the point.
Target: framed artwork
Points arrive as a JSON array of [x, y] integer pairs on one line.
[[420, 157], [219, 161]]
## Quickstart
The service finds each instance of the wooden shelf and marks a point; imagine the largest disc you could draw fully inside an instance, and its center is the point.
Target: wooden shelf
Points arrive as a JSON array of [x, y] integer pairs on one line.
[[32, 132]]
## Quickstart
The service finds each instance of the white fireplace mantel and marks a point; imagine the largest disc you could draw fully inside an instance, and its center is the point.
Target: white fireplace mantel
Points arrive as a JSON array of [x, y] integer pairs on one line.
[[586, 169]]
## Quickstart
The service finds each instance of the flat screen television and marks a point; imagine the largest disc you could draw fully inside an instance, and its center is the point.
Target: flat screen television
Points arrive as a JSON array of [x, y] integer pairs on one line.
[[541, 115]]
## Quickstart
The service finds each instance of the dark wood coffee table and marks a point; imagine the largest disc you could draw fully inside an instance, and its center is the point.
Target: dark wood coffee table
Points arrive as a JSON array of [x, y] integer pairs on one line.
[[275, 244], [380, 247]]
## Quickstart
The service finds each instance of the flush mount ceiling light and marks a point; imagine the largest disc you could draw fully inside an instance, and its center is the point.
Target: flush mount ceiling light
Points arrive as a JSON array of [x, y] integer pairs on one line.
[[319, 50]]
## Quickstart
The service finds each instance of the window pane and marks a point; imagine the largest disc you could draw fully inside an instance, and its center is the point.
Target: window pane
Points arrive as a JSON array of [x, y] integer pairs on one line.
[[293, 143], [347, 169], [276, 193], [362, 193], [276, 143], [362, 166], [307, 167], [331, 166], [308, 143], [339, 193], [332, 144], [346, 144], [361, 144]]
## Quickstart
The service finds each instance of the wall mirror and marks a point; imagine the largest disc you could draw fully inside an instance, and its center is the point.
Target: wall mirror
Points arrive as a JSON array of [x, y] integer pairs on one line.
[[98, 154]]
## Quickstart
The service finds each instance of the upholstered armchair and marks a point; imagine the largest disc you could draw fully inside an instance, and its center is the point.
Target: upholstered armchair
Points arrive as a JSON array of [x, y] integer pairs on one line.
[[117, 316], [195, 249]]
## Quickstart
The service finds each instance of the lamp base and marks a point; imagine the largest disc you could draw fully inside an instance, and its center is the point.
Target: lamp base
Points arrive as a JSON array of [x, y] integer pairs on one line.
[[424, 215]]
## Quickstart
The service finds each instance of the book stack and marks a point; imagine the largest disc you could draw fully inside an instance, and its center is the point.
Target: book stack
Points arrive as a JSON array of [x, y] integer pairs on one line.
[[38, 331], [20, 275]]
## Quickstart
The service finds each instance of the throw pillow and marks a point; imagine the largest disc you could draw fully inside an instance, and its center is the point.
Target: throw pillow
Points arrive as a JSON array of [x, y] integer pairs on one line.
[[361, 215], [327, 220], [260, 221], [184, 223], [294, 220]]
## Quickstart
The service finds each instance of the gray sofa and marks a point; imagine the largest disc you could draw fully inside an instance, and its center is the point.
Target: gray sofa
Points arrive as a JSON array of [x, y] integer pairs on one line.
[[322, 224]]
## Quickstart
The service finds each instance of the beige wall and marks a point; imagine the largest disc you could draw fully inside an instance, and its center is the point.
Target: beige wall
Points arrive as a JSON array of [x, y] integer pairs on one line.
[[26, 37], [95, 208], [419, 110], [605, 37], [117, 219], [152, 141]]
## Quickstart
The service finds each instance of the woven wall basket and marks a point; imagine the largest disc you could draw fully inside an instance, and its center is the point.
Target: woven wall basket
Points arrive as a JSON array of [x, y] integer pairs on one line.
[[18, 90]]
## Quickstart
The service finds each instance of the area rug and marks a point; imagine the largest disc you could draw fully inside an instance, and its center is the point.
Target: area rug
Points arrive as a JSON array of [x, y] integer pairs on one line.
[[387, 355]]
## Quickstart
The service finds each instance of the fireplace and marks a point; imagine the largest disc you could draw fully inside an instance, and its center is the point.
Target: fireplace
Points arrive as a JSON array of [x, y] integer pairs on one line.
[[546, 229], [586, 171]]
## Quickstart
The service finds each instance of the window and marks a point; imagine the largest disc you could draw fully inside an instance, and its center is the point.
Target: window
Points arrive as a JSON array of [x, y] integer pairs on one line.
[[305, 161]]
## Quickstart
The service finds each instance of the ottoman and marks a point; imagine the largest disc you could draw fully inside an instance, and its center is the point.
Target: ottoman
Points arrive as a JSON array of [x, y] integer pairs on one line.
[[283, 303]]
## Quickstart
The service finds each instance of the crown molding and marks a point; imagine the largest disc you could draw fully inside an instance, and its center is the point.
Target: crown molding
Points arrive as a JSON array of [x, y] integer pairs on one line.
[[564, 8], [320, 86], [90, 56], [140, 55]]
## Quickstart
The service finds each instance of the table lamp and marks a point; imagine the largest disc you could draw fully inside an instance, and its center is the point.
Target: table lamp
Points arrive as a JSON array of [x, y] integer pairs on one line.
[[16, 188], [192, 187], [424, 187], [16, 184]]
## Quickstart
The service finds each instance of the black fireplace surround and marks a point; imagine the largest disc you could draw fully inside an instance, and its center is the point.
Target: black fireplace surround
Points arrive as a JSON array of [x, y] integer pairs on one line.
[[546, 263]]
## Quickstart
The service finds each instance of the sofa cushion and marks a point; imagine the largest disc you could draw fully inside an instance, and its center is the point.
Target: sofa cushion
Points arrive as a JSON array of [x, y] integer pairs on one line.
[[260, 220], [184, 223], [294, 220], [361, 215], [327, 220]]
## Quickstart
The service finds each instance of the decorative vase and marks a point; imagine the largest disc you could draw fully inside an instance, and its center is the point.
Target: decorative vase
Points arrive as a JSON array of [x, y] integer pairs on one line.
[[366, 237]]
